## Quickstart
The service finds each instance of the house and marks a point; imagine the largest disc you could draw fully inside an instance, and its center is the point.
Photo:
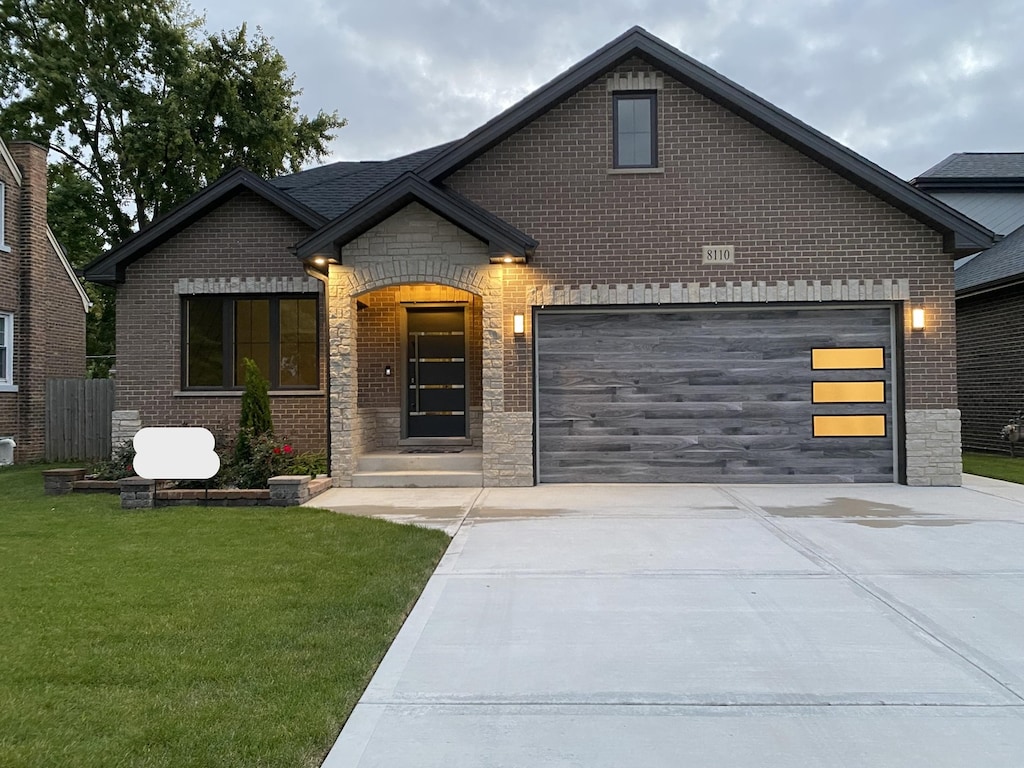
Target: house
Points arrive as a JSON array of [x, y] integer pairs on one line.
[[42, 303], [988, 187], [641, 272]]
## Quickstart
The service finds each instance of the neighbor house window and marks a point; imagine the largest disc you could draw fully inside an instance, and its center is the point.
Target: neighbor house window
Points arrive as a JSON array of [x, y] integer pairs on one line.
[[278, 332], [635, 129], [6, 350], [3, 206]]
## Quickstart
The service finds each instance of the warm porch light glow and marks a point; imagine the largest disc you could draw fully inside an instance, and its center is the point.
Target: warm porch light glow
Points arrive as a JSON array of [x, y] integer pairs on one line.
[[518, 324], [917, 319], [319, 261], [507, 260]]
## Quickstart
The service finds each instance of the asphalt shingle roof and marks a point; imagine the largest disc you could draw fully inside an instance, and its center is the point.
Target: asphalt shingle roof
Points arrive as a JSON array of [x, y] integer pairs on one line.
[[978, 165], [330, 190], [1003, 261]]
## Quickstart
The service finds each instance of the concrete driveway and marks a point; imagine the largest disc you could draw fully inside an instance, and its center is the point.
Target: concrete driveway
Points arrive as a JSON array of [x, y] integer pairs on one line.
[[727, 626]]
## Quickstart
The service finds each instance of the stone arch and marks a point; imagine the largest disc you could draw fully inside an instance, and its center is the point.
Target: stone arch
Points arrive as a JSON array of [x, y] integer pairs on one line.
[[363, 279]]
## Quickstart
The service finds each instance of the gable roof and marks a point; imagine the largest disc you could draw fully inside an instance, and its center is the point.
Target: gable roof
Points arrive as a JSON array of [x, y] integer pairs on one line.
[[974, 170], [109, 268], [333, 189], [1001, 265], [962, 235], [502, 238]]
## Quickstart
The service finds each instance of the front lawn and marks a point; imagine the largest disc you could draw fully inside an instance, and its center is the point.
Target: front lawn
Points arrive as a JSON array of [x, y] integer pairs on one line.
[[189, 636], [999, 466]]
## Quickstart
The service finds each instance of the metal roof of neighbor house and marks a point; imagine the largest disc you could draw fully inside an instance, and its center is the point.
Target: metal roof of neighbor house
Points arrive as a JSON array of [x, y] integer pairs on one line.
[[1000, 265], [1002, 211], [976, 165]]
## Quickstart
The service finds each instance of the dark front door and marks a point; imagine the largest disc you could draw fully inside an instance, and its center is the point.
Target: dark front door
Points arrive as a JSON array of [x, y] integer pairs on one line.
[[435, 404]]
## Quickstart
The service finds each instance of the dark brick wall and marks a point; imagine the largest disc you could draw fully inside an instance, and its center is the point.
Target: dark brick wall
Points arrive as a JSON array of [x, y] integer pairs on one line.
[[244, 237], [49, 317], [990, 366], [724, 181]]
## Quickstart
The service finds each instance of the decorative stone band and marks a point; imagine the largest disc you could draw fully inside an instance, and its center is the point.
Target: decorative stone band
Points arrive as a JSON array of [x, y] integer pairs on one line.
[[636, 81], [714, 293], [195, 285]]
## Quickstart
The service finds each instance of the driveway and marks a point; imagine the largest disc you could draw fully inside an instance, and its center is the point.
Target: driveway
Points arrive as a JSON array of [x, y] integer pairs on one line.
[[728, 626]]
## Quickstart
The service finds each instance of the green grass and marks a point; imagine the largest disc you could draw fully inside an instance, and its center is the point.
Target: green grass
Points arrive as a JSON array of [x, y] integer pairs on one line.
[[1001, 467], [188, 636]]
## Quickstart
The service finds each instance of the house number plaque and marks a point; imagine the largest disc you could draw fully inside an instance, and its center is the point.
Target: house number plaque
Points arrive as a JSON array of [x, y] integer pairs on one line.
[[718, 254]]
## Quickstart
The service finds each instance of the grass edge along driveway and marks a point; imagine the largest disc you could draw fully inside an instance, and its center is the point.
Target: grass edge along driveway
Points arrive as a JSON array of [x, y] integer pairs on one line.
[[998, 466], [190, 636]]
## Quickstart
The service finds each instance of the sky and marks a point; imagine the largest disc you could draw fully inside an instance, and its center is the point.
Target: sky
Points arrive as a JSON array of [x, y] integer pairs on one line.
[[904, 83]]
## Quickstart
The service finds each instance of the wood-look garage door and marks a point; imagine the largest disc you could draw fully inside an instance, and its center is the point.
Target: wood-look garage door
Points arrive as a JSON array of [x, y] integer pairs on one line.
[[716, 395]]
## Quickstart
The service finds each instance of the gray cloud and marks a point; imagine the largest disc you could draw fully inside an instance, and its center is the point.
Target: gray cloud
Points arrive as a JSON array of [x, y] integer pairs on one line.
[[903, 82]]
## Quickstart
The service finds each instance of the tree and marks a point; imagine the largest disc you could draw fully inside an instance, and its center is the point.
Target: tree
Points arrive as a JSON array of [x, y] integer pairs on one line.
[[144, 108]]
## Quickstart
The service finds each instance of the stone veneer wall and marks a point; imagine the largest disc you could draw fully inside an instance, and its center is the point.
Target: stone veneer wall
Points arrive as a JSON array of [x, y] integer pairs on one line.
[[933, 447]]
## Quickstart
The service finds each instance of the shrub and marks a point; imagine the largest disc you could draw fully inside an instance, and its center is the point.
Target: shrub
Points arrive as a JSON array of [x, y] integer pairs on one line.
[[265, 458], [255, 420], [310, 463], [118, 466]]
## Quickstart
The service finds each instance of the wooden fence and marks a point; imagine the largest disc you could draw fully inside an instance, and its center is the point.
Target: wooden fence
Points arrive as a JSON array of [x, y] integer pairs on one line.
[[78, 418]]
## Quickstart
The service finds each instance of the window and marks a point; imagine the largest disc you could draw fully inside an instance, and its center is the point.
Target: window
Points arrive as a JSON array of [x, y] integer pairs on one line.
[[6, 350], [635, 129], [280, 333], [3, 206]]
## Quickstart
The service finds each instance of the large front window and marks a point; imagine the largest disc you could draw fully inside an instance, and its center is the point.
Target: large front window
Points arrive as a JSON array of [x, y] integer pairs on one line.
[[278, 332]]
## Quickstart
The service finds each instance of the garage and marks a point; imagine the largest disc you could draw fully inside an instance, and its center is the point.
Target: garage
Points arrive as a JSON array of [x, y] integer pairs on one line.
[[731, 394]]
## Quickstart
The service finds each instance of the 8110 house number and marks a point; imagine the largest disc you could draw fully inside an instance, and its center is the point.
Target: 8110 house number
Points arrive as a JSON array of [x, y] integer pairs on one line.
[[718, 254]]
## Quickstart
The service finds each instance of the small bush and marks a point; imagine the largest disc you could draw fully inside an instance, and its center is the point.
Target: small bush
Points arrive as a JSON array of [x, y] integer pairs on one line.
[[310, 463], [118, 466], [255, 419]]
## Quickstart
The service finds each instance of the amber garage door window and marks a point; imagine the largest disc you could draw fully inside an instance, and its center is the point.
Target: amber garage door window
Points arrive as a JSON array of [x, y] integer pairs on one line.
[[278, 332]]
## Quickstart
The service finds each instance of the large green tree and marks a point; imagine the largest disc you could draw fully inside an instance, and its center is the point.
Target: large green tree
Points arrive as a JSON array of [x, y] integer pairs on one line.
[[140, 108]]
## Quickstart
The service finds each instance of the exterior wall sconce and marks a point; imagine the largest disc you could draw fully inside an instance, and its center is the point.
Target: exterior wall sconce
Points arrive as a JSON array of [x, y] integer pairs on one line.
[[917, 319], [518, 324]]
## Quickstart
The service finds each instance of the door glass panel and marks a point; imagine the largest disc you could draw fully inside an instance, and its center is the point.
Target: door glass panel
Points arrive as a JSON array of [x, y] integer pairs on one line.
[[436, 360]]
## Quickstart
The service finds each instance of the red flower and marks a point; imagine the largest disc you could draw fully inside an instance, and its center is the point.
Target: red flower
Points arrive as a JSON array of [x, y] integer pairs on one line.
[[129, 468], [287, 449], [277, 450]]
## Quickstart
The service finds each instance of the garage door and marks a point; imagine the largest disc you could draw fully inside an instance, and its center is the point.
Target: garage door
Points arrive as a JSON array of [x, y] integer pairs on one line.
[[715, 395]]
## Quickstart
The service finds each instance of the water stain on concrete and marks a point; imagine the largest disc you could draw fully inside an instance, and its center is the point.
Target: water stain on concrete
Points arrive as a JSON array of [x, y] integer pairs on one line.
[[865, 512]]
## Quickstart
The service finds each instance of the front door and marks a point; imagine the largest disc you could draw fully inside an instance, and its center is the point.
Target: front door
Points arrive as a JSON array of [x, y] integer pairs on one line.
[[435, 402]]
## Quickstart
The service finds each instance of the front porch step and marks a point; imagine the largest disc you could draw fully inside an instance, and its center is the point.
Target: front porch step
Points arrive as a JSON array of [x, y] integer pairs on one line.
[[417, 479], [394, 469], [391, 461]]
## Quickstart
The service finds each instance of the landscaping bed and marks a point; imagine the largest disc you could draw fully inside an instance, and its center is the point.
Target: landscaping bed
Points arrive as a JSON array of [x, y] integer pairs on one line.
[[190, 636]]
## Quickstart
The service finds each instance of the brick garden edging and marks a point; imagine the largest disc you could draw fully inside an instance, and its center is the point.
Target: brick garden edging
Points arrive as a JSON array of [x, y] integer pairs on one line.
[[140, 493]]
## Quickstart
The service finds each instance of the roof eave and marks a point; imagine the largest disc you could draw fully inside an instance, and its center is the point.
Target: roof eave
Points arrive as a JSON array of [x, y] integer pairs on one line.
[[498, 235], [109, 268]]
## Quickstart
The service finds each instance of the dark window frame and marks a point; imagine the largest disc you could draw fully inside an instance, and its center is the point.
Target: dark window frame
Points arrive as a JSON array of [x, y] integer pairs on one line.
[[227, 302], [652, 98]]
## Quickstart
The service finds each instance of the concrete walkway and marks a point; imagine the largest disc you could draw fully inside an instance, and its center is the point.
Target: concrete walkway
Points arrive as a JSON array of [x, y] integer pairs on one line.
[[727, 626]]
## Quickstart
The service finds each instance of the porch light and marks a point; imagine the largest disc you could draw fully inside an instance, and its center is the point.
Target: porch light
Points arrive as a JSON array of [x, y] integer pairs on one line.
[[507, 260], [518, 324], [319, 261], [917, 319]]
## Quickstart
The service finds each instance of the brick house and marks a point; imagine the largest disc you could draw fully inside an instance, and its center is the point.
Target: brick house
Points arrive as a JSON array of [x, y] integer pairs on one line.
[[42, 303], [988, 187], [641, 272]]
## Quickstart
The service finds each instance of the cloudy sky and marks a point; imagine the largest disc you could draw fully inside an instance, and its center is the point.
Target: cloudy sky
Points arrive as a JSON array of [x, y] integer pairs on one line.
[[903, 82]]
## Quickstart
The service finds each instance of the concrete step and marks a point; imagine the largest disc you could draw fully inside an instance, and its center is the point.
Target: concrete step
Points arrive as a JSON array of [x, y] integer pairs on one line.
[[418, 479], [381, 461]]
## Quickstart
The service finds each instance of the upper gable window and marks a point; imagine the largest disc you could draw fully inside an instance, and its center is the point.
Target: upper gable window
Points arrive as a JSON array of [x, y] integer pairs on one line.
[[635, 129]]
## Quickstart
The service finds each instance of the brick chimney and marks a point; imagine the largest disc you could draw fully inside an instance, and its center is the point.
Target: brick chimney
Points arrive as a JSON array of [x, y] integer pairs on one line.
[[31, 322]]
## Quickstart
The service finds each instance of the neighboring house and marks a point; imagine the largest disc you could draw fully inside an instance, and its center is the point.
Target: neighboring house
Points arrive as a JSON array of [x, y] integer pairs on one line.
[[640, 272], [42, 303], [988, 187]]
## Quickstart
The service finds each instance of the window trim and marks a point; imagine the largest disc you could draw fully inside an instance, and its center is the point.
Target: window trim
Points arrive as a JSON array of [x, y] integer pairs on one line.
[[652, 98], [7, 343], [227, 330], [3, 211]]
